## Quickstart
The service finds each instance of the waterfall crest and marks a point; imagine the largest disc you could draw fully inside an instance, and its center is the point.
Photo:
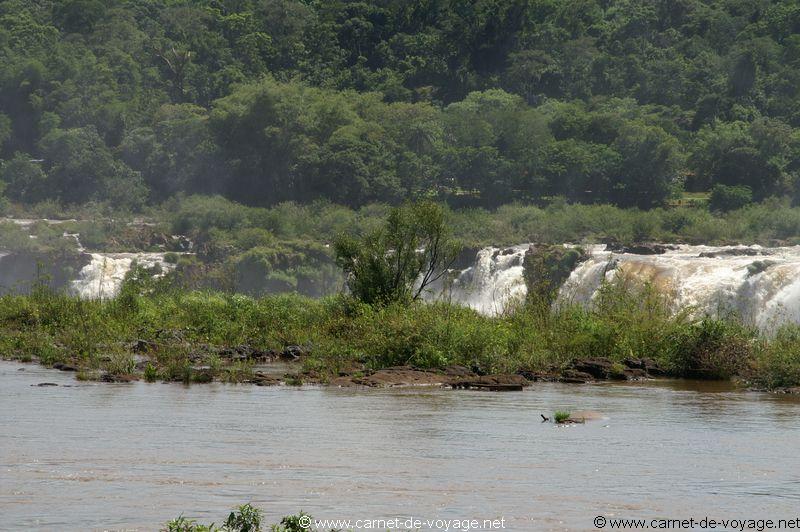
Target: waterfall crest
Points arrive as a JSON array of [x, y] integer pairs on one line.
[[103, 276], [760, 285]]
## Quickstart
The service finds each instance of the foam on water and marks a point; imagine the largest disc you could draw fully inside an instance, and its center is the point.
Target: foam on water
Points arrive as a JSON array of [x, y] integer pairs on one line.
[[762, 286], [103, 276]]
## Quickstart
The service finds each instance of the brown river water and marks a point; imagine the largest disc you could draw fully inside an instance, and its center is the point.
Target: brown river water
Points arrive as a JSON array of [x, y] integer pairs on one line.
[[130, 457]]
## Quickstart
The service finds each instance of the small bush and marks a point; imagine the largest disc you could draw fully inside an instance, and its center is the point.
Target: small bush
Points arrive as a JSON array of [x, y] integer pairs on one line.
[[245, 518], [561, 416]]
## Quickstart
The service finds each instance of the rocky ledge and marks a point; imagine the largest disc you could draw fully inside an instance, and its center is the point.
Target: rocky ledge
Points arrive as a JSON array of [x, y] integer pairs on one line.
[[581, 371]]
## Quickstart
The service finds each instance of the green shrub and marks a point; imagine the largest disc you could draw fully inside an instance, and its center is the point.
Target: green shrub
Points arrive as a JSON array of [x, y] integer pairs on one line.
[[561, 416], [727, 198], [245, 518], [777, 363]]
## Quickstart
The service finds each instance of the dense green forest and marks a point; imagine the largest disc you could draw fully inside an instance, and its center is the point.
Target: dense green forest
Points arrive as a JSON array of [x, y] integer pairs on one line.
[[482, 102]]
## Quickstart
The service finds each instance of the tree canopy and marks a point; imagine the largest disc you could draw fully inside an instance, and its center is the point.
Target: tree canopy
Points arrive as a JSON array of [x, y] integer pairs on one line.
[[477, 103]]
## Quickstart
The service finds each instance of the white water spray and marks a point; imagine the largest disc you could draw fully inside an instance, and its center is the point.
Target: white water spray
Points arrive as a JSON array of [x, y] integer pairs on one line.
[[760, 285], [103, 276]]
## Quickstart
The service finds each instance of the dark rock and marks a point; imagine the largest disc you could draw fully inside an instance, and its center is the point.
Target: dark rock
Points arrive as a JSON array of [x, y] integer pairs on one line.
[[262, 379], [476, 369], [465, 259], [23, 270], [546, 267], [497, 383], [634, 363], [395, 376], [574, 376], [292, 352], [538, 376], [652, 368], [634, 374], [64, 367], [245, 352], [638, 249], [458, 371], [141, 365], [144, 346], [758, 266], [113, 378], [599, 368], [733, 252]]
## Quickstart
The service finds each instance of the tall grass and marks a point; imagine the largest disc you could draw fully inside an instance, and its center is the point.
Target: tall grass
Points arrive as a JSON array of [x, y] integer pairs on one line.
[[162, 333]]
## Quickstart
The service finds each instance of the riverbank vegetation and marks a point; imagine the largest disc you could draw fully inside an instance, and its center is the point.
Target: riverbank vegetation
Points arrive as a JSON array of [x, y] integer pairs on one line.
[[155, 331], [244, 518]]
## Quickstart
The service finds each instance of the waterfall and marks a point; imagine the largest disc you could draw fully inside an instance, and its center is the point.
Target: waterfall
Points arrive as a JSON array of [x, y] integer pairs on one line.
[[760, 285], [103, 276], [491, 284]]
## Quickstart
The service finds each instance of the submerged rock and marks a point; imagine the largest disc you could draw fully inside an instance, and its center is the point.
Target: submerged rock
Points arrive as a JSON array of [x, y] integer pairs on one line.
[[115, 378], [262, 379], [602, 368], [495, 383], [639, 249], [734, 252]]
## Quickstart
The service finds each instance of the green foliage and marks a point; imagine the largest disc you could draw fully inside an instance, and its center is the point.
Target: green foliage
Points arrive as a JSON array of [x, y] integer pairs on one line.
[[777, 364], [476, 104], [189, 336], [399, 261], [182, 524], [545, 268], [728, 198], [245, 518], [561, 416], [293, 523]]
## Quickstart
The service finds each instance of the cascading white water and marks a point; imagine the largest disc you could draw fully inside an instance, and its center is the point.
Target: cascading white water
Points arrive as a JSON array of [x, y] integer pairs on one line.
[[761, 285], [492, 283], [103, 276]]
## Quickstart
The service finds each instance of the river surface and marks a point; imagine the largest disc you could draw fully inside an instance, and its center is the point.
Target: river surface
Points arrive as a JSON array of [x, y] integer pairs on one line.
[[111, 457]]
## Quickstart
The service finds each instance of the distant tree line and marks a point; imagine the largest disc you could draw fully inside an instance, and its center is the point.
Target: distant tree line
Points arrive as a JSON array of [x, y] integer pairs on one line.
[[482, 102]]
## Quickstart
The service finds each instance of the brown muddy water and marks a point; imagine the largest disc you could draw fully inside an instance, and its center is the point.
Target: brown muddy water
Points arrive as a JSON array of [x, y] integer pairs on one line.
[[116, 456]]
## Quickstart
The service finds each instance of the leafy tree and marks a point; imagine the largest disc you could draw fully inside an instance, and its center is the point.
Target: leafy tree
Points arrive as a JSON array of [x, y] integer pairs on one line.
[[80, 168], [476, 102], [725, 198], [757, 155], [399, 261], [651, 160], [23, 179]]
